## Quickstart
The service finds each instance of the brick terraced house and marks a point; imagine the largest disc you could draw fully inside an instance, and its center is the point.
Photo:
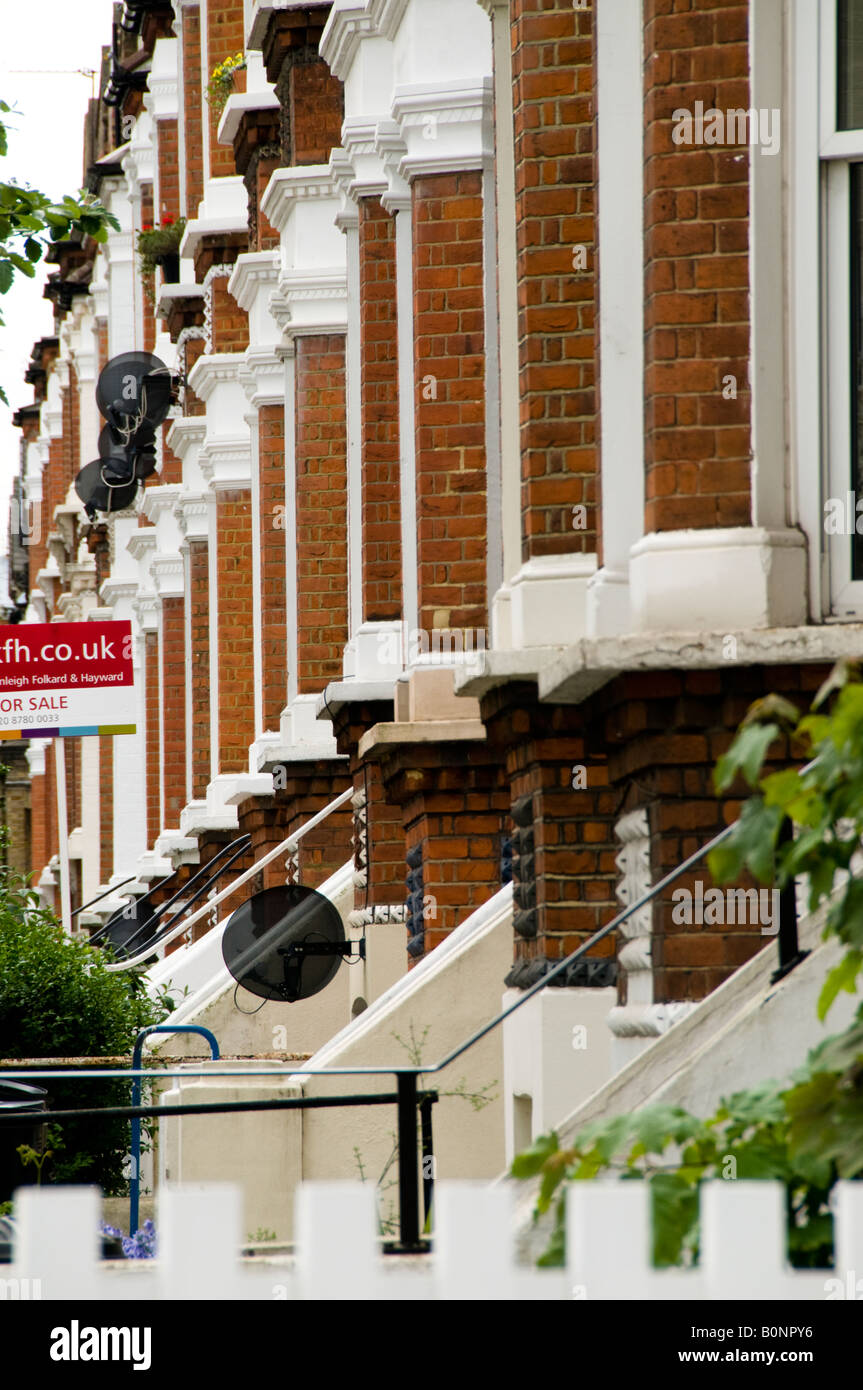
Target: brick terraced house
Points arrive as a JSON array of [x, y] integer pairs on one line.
[[517, 376]]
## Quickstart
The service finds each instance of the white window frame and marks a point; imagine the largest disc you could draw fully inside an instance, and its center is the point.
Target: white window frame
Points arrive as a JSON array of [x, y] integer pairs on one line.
[[838, 149]]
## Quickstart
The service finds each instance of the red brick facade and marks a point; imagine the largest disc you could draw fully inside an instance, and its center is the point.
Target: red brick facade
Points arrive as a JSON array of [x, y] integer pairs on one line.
[[271, 485], [697, 329], [106, 807], [554, 95], [450, 400], [173, 636], [225, 38], [548, 783], [192, 104], [321, 448], [236, 654], [199, 608], [153, 733], [382, 559]]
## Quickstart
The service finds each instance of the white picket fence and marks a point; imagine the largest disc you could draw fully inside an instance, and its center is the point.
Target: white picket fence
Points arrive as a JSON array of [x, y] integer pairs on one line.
[[338, 1252]]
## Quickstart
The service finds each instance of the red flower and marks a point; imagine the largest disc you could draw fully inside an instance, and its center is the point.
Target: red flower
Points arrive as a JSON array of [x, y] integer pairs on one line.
[[167, 221], [147, 227]]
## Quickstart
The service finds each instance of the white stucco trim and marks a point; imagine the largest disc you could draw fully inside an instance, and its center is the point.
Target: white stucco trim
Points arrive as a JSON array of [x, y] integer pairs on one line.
[[620, 164], [715, 579], [548, 600], [805, 426]]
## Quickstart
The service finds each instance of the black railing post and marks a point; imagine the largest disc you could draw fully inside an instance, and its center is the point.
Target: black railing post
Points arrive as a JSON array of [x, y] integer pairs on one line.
[[409, 1205], [789, 945], [427, 1145]]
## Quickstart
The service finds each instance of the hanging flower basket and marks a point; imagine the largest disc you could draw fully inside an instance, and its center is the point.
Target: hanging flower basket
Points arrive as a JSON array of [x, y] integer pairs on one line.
[[227, 77], [160, 246]]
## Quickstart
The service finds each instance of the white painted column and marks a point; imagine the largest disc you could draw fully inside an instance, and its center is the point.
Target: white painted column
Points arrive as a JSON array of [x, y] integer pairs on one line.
[[771, 500], [621, 309], [90, 818], [119, 593], [292, 645], [503, 196], [349, 222]]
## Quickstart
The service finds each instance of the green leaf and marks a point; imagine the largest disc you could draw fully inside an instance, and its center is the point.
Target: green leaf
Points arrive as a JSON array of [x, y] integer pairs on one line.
[[7, 275], [675, 1217], [529, 1163], [842, 673], [33, 249], [746, 755], [842, 977]]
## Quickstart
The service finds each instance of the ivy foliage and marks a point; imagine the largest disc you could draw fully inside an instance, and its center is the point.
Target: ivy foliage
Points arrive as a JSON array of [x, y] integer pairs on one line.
[[30, 222], [806, 1132]]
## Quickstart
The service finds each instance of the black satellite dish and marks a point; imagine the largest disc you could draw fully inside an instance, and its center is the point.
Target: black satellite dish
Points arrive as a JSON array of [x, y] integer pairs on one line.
[[109, 442], [285, 943], [106, 485], [134, 389]]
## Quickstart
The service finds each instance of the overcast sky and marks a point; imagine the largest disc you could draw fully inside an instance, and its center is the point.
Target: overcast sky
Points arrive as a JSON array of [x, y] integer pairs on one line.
[[45, 151]]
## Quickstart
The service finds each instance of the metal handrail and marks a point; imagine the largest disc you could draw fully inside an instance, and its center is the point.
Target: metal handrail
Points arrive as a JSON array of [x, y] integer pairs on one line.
[[106, 894], [286, 847], [135, 1180], [151, 942], [157, 887], [98, 936]]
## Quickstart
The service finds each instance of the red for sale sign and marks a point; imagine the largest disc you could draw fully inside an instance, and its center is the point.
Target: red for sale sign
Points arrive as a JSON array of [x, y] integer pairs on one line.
[[66, 679]]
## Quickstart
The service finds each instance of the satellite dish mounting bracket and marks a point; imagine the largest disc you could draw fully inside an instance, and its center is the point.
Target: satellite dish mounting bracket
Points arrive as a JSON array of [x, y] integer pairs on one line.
[[294, 954]]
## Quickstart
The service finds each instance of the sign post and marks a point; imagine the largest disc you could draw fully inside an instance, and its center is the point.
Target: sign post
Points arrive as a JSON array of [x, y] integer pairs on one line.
[[66, 680], [63, 836]]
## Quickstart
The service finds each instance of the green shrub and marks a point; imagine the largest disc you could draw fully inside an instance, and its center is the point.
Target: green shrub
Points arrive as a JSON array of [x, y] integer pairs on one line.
[[57, 999]]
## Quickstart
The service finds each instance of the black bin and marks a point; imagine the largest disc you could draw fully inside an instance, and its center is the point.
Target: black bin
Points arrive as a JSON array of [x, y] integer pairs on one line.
[[15, 1095]]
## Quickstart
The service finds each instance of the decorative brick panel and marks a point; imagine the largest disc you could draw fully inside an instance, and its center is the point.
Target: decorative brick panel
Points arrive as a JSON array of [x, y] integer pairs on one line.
[[307, 788], [555, 184], [379, 841], [381, 549], [230, 323], [72, 748], [310, 97], [199, 601], [697, 327], [172, 468], [450, 400], [316, 112], [167, 153], [106, 807], [192, 103], [225, 37], [236, 655], [663, 733], [39, 851], [152, 711], [69, 443], [146, 287], [274, 648], [454, 804], [322, 549], [564, 850], [174, 708], [52, 839]]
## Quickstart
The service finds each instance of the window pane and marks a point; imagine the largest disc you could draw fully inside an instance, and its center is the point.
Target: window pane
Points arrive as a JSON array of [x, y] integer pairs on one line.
[[856, 173], [849, 65]]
